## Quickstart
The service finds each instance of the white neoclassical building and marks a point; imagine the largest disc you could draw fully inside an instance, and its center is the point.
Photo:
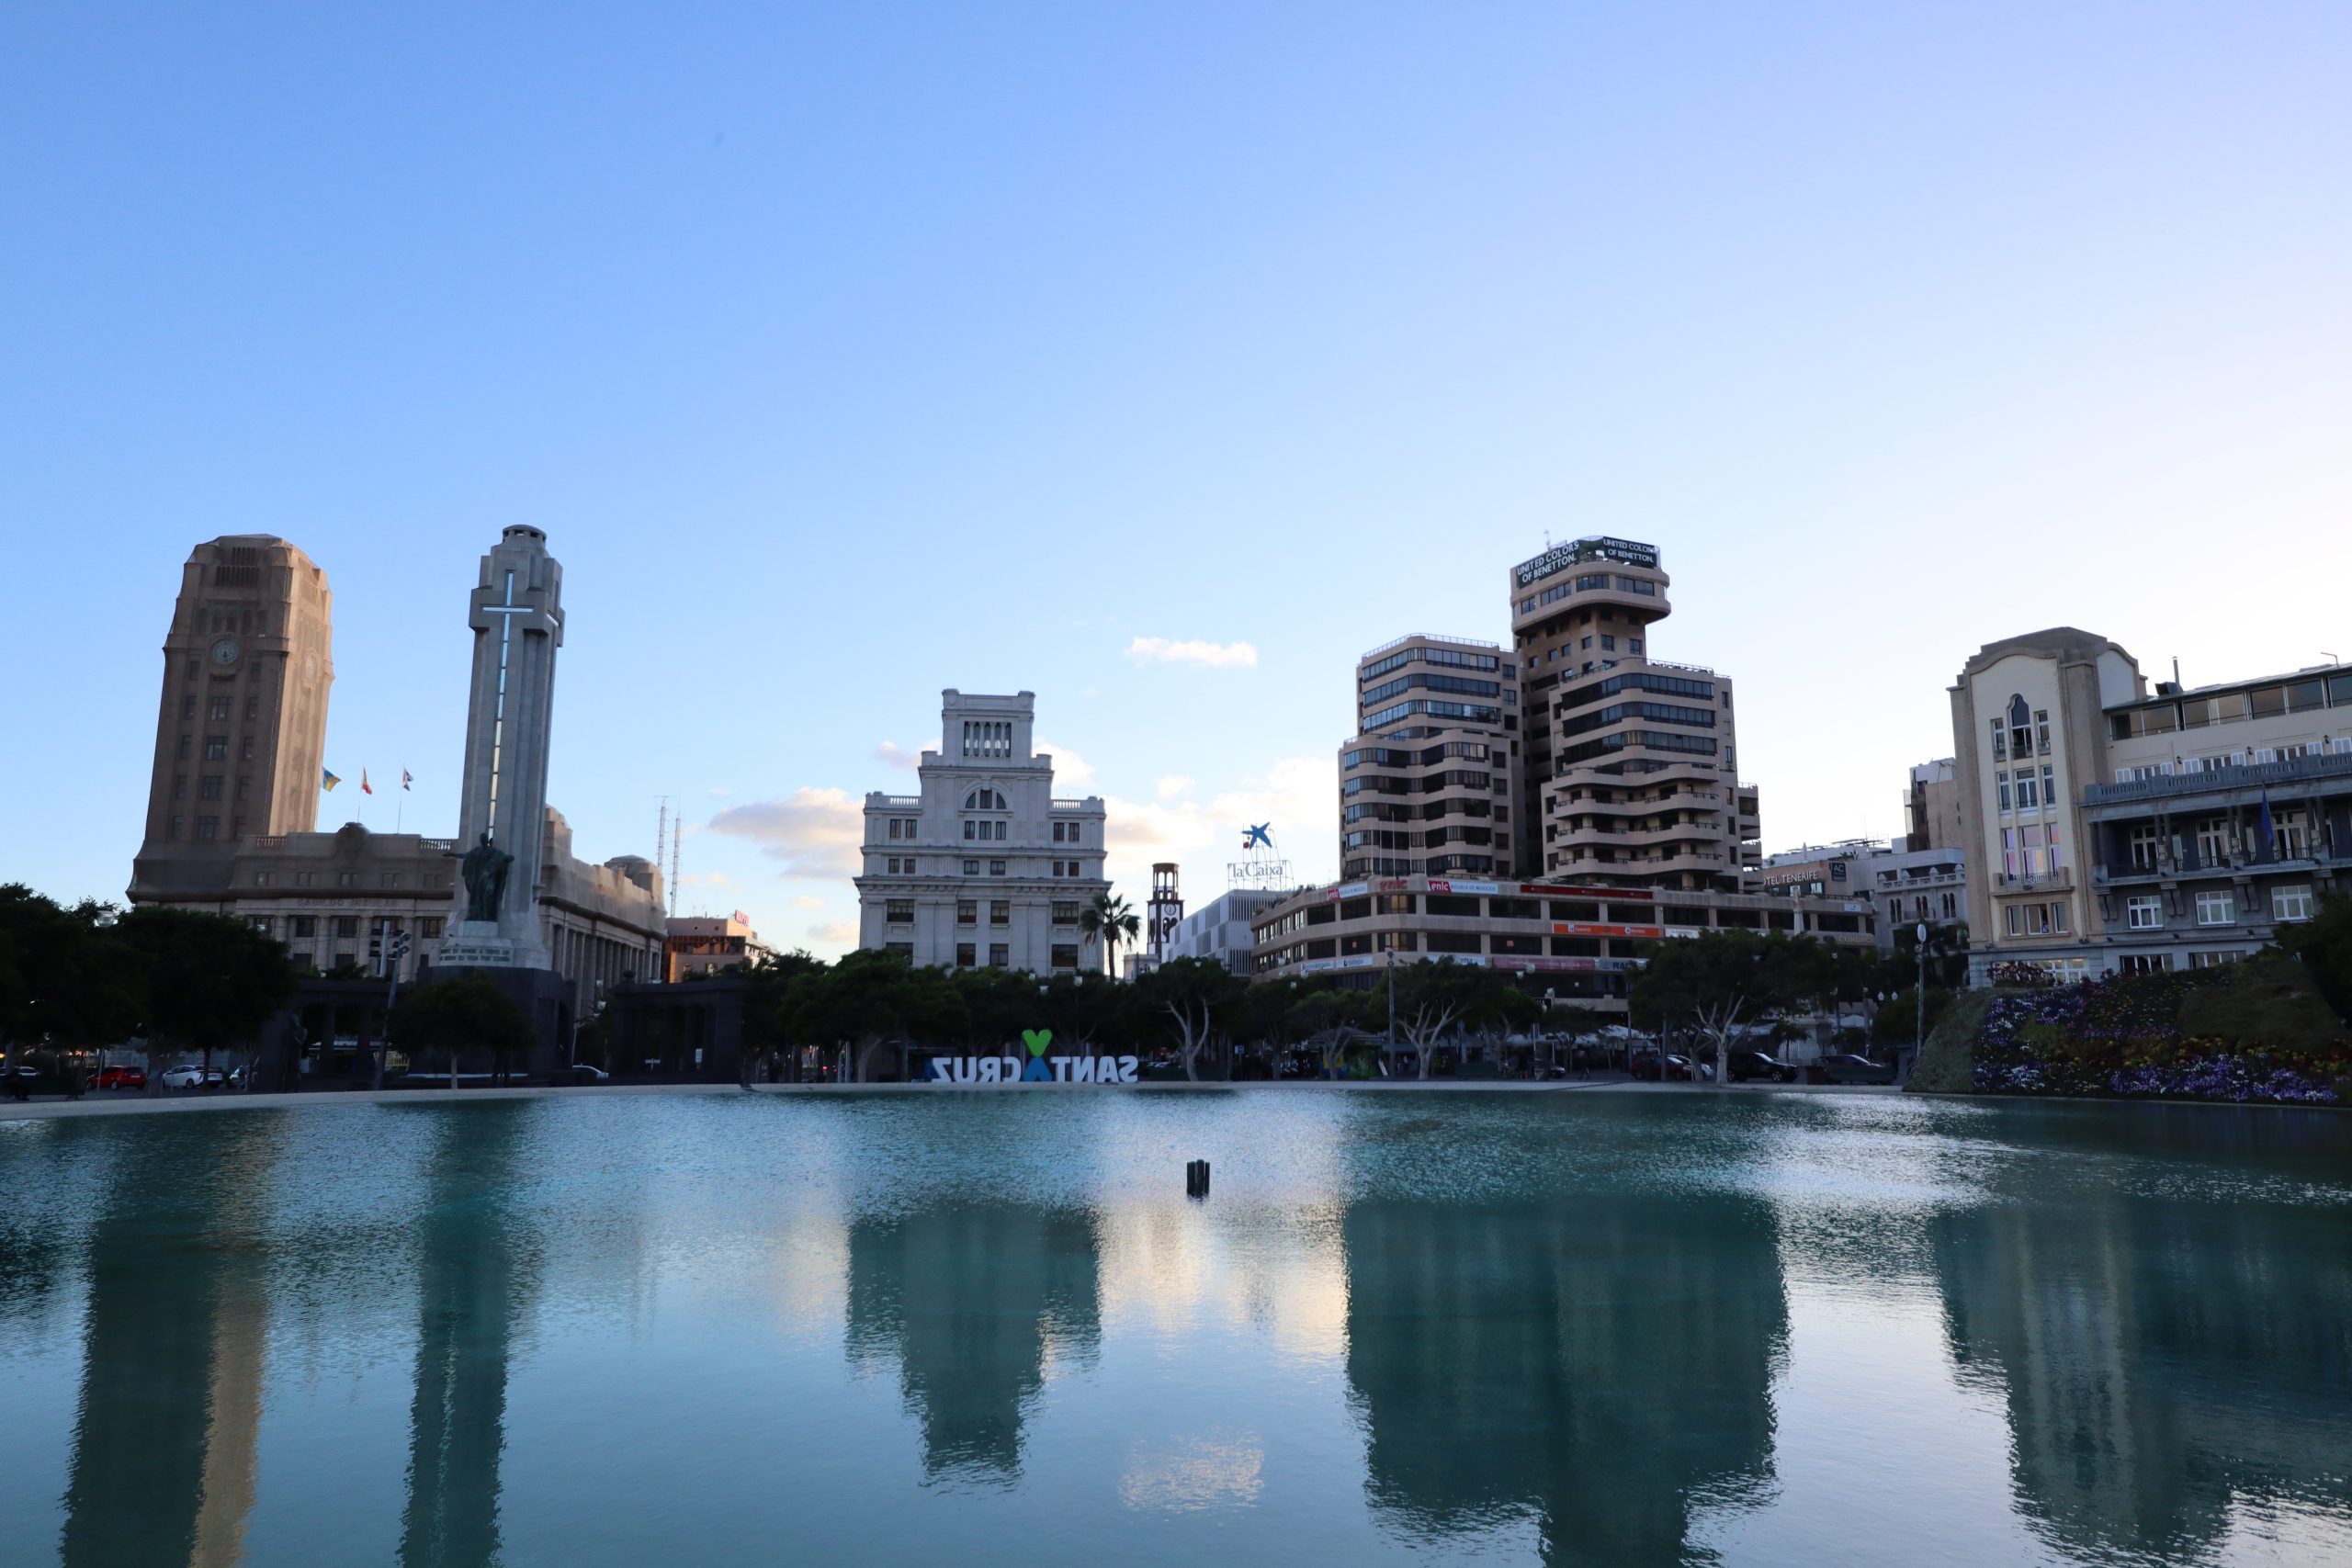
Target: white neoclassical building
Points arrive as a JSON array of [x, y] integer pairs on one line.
[[982, 866]]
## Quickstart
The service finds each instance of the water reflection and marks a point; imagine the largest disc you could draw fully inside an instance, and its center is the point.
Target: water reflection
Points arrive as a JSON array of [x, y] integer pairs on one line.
[[975, 1303], [1598, 1366], [163, 1448], [473, 1278], [2159, 1363]]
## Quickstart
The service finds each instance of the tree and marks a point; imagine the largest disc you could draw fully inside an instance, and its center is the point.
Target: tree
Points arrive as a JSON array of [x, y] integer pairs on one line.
[[1195, 996], [997, 1005], [1723, 979], [66, 979], [466, 1011], [2323, 945], [1435, 998], [1085, 1009], [212, 980], [870, 999], [1109, 920]]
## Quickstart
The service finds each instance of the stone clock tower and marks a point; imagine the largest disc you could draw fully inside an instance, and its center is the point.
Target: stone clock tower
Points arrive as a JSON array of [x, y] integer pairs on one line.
[[242, 726]]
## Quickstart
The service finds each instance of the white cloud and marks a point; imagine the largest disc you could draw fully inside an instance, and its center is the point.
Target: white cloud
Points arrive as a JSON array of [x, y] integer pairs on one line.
[[1173, 785], [706, 879], [841, 935], [1216, 655], [815, 832], [721, 791], [805, 902], [1070, 770], [1299, 795], [897, 756]]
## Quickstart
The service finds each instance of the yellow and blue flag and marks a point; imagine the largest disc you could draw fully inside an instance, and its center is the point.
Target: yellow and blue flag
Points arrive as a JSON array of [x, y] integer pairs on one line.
[[329, 780]]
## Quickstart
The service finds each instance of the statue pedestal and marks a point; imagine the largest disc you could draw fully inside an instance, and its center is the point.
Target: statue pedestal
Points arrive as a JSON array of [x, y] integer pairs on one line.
[[476, 945]]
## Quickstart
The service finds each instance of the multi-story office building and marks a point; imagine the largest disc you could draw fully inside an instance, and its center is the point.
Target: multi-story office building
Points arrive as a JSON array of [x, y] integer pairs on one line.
[[1429, 780], [2118, 828], [1931, 809], [1904, 887], [1575, 942], [1630, 772], [982, 866]]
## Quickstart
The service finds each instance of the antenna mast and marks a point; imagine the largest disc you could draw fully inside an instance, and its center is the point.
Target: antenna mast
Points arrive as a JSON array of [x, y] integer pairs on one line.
[[677, 830], [661, 842]]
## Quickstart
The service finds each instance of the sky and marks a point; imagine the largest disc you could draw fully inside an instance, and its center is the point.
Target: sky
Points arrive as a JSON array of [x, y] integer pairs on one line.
[[1156, 359]]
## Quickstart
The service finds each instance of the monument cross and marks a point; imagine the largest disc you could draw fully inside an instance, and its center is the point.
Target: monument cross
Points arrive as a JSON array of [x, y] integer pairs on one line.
[[517, 613]]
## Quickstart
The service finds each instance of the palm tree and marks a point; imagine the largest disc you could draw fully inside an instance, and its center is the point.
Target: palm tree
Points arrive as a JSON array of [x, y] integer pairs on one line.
[[1113, 920]]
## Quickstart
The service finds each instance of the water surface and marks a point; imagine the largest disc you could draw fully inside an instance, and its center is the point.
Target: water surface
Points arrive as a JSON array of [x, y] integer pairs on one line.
[[987, 1327]]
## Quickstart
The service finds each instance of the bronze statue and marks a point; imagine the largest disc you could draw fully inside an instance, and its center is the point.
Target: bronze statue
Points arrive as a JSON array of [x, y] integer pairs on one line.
[[484, 868]]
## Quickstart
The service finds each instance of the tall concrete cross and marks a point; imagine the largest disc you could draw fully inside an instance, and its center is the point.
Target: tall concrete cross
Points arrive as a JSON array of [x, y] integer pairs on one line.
[[517, 613]]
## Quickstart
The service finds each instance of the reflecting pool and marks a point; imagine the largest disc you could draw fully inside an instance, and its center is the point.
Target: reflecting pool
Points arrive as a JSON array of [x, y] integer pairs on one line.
[[989, 1327]]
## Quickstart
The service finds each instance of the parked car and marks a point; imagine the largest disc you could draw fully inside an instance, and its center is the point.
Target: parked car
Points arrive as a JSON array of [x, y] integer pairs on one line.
[[119, 1077], [1677, 1069], [1847, 1068], [188, 1074], [584, 1073], [17, 1079], [1746, 1066]]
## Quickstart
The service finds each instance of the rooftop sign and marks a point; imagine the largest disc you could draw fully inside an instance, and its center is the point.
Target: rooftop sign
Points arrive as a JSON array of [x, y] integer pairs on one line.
[[1598, 547]]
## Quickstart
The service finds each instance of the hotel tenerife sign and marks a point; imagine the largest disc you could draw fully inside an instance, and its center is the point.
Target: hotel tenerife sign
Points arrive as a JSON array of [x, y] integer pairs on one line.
[[1598, 547]]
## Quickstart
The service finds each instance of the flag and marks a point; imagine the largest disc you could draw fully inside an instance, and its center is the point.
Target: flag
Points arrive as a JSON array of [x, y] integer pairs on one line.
[[405, 780], [363, 783], [330, 781], [2270, 832]]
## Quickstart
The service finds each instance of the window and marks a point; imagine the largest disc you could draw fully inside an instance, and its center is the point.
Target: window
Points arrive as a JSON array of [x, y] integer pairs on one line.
[[1065, 955], [2213, 840], [2210, 960], [1066, 833], [2020, 729], [999, 954], [347, 927], [905, 950], [263, 879], [2291, 835], [2048, 788], [2001, 784], [1000, 912], [985, 800], [2029, 796], [391, 879], [216, 748], [2058, 917], [894, 827], [243, 785], [971, 868], [306, 926], [220, 710], [2144, 841], [2041, 731], [2000, 742], [891, 865], [971, 829], [2010, 851], [967, 911], [1065, 912], [429, 927], [2216, 909], [898, 911], [346, 879], [306, 879], [185, 741], [2292, 902], [996, 868], [964, 959], [208, 827], [2145, 913], [208, 788]]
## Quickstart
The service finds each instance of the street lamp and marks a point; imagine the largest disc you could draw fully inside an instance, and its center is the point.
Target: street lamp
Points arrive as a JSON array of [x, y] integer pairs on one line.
[[1919, 987]]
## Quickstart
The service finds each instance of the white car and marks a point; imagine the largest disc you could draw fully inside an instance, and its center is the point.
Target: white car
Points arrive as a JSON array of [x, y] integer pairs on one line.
[[188, 1074]]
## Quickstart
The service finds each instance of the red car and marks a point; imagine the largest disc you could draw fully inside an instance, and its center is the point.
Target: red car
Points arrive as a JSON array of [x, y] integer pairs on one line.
[[119, 1077]]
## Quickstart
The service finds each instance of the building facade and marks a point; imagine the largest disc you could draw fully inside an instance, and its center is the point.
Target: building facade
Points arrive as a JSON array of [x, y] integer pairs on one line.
[[698, 944], [1904, 887], [233, 801], [982, 866], [2118, 828], [240, 726], [1630, 763], [1576, 941], [1222, 929], [1931, 808], [1429, 778]]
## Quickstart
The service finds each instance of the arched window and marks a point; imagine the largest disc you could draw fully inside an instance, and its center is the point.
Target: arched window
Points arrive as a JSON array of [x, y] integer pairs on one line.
[[2020, 729], [985, 800]]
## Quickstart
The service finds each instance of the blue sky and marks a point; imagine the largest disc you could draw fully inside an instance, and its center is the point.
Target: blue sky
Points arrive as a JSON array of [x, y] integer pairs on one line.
[[849, 352]]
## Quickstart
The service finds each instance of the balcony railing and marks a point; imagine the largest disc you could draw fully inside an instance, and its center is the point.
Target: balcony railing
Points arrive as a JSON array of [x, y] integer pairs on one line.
[[1433, 637], [2249, 776]]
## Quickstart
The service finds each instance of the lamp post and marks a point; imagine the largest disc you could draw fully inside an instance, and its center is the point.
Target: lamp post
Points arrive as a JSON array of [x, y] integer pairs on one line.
[[1388, 1046], [1920, 989]]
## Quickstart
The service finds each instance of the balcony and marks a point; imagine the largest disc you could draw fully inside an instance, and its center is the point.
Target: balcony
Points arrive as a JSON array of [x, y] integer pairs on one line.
[[2058, 881], [2240, 785]]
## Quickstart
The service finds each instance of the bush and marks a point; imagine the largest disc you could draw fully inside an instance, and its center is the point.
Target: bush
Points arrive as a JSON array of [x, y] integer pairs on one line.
[[2128, 1035]]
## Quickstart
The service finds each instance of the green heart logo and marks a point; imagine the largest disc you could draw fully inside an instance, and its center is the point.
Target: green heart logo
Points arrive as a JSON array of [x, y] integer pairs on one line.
[[1036, 1040]]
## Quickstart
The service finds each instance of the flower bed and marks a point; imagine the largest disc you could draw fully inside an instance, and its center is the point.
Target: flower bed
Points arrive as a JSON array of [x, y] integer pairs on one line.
[[2121, 1036]]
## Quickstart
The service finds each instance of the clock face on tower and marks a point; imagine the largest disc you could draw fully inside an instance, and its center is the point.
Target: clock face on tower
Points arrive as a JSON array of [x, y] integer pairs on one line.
[[225, 651]]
